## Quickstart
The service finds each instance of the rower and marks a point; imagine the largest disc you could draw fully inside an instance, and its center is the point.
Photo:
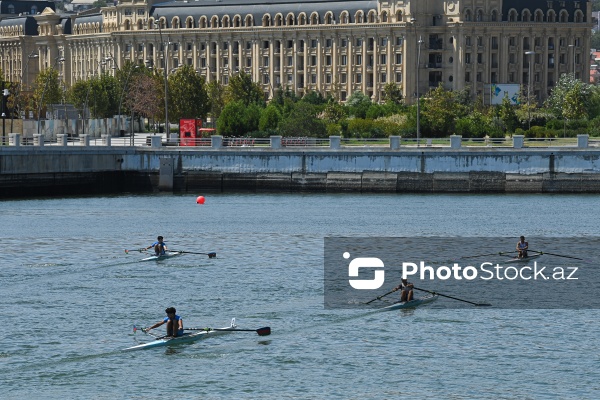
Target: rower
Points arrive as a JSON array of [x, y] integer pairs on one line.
[[174, 323], [407, 290], [159, 246], [522, 247]]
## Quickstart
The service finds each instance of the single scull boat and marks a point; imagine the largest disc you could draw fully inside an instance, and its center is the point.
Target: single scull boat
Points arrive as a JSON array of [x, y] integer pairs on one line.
[[167, 254], [524, 259], [185, 338], [410, 304]]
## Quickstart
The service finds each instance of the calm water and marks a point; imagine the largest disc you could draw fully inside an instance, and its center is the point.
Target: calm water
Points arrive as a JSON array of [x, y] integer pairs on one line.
[[70, 296]]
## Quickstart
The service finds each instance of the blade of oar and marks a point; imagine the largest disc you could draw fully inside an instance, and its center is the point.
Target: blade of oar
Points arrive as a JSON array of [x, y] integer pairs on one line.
[[500, 253], [261, 331], [210, 255], [379, 297], [140, 250], [135, 328], [556, 255], [454, 298]]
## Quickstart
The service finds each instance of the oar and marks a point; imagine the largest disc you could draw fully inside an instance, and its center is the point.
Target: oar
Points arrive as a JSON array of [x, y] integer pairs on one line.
[[383, 295], [454, 298], [135, 328], [140, 250], [210, 255], [501, 253], [557, 255], [261, 331]]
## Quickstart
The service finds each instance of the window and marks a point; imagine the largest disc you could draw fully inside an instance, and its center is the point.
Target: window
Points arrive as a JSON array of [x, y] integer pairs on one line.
[[359, 42], [290, 61], [248, 45], [358, 59], [290, 44], [11, 9], [343, 78], [467, 77], [290, 79], [358, 78], [128, 12], [399, 58], [328, 60], [203, 62], [140, 11], [265, 61], [189, 46], [479, 58], [384, 41], [249, 62], [328, 78], [313, 78], [398, 77], [343, 43], [313, 43], [399, 41], [344, 59], [467, 58], [328, 43], [479, 77], [384, 78], [384, 59], [313, 60]]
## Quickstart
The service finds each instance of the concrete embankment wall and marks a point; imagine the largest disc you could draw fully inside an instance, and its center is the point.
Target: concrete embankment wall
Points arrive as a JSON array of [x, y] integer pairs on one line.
[[31, 170]]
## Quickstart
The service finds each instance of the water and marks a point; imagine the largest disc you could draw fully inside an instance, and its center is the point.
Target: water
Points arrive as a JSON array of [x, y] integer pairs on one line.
[[70, 297]]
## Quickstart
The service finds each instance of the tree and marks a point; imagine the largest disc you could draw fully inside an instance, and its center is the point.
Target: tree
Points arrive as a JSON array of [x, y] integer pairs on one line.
[[574, 104], [146, 95], [48, 89], [303, 121], [569, 89], [334, 112], [392, 93], [241, 88], [216, 98], [508, 115], [358, 104], [269, 118], [440, 110], [189, 98], [238, 119]]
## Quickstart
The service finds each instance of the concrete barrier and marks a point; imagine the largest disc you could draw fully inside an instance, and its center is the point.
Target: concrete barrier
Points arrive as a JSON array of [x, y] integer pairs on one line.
[[216, 141], [334, 142], [14, 139], [106, 140], [62, 139], [395, 142], [582, 140], [38, 139], [275, 142], [518, 141], [84, 140], [455, 141]]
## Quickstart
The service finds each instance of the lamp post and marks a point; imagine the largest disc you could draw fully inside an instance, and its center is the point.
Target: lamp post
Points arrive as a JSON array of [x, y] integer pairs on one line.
[[165, 54], [29, 57], [530, 54], [132, 67], [89, 88], [419, 42], [56, 61]]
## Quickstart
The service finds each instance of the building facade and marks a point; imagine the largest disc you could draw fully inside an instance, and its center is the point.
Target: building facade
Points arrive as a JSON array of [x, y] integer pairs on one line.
[[333, 47]]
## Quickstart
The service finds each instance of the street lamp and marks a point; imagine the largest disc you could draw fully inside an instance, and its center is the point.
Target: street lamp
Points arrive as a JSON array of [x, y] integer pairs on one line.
[[89, 88], [29, 57], [419, 43], [530, 54], [119, 125], [56, 61], [165, 55]]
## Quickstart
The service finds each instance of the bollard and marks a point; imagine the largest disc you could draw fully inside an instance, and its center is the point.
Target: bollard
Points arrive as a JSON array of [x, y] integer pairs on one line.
[[275, 142], [62, 139], [38, 139], [14, 139], [156, 141], [216, 141], [106, 140], [455, 141], [334, 142], [582, 140], [395, 142], [518, 141]]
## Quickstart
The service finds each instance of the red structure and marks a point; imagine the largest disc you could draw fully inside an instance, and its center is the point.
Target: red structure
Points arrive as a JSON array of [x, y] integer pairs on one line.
[[191, 133]]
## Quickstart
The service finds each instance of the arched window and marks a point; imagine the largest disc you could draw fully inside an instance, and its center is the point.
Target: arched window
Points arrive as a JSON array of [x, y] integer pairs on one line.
[[479, 17], [344, 18], [328, 18], [202, 23], [225, 22], [189, 23], [468, 15], [371, 17], [34, 10], [512, 15], [140, 25], [539, 16], [249, 20], [175, 23], [551, 16], [579, 16], [399, 16], [237, 21], [384, 16], [302, 19], [564, 16], [494, 16], [162, 22], [266, 21], [278, 20], [127, 25], [314, 19], [214, 22], [526, 16], [358, 18], [290, 19], [11, 9]]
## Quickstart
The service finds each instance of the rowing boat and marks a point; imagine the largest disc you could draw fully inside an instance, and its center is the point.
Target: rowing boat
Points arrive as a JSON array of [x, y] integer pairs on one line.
[[524, 259], [185, 338], [167, 254], [410, 304]]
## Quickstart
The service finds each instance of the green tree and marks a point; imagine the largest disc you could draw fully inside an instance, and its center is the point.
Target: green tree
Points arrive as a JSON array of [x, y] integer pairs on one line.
[[146, 95], [564, 91], [302, 121], [392, 93], [358, 104], [440, 111], [314, 98], [595, 42], [238, 119], [216, 98], [508, 116], [334, 112], [574, 104], [269, 118], [48, 89], [241, 88], [188, 95]]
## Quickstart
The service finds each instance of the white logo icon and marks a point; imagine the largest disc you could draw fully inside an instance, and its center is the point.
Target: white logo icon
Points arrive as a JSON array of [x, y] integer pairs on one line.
[[366, 262]]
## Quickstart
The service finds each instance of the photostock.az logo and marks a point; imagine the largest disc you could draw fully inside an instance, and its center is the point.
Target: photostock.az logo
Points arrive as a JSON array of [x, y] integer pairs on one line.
[[365, 262]]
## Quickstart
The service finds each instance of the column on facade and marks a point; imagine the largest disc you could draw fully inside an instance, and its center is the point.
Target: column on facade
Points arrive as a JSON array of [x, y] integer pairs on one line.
[[349, 64]]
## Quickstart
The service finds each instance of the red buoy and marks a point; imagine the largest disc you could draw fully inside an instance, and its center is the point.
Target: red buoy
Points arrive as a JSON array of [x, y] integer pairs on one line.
[[200, 200]]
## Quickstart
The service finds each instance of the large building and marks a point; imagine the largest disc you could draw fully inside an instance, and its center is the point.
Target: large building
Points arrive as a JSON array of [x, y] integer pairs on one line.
[[333, 47]]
